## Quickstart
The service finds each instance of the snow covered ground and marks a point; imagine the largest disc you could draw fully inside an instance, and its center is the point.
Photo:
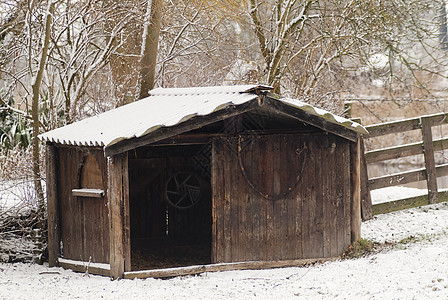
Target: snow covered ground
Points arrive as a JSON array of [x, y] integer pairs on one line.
[[415, 270]]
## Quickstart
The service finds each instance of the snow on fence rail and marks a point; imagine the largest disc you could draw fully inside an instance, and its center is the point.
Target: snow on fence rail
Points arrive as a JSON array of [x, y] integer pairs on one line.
[[427, 147]]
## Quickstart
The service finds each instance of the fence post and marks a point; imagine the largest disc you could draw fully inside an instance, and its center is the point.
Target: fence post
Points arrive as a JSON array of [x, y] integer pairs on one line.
[[430, 165]]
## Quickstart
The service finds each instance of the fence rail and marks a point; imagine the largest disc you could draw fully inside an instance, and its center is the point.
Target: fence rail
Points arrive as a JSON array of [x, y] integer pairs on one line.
[[427, 147]]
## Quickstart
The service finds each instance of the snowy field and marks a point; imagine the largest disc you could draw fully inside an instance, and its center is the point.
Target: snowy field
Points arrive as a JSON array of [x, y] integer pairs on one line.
[[406, 270]]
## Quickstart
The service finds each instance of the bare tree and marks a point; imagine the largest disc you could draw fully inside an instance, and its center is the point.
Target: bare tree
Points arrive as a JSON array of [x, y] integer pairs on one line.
[[150, 44]]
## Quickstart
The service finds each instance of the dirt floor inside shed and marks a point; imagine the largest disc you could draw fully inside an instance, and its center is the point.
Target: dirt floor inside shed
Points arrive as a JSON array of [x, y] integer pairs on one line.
[[166, 253]]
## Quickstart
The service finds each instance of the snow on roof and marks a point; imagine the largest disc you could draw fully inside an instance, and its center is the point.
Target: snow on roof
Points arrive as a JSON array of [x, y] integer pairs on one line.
[[165, 108]]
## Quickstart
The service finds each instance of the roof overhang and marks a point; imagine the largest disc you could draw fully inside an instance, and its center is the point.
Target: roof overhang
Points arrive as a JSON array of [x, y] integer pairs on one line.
[[170, 112]]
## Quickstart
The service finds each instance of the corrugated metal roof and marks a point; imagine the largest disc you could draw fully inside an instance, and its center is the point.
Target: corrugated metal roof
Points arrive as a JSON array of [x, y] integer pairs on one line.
[[332, 118], [165, 108]]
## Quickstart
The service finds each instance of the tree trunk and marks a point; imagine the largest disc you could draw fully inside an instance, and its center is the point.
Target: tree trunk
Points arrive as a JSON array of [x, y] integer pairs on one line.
[[36, 83], [150, 44]]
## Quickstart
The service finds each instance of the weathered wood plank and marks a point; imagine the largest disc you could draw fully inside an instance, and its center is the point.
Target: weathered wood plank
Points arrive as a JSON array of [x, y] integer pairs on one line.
[[327, 161], [299, 196], [392, 127], [308, 198], [115, 196], [355, 168], [262, 203], [430, 165], [366, 200], [227, 221], [405, 177], [52, 204], [216, 192], [391, 206], [403, 150], [268, 189], [342, 199], [347, 197], [250, 265], [404, 125], [394, 152], [317, 217], [85, 267], [91, 193], [257, 204], [235, 202], [126, 214], [288, 172]]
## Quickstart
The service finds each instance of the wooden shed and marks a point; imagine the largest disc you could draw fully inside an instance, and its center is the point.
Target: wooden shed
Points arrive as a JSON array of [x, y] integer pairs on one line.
[[202, 177]]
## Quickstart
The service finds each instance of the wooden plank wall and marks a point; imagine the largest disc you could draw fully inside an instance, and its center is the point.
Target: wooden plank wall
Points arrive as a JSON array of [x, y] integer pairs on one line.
[[313, 220], [84, 224]]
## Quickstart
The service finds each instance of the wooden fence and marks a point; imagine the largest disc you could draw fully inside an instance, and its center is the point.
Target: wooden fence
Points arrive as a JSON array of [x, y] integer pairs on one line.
[[430, 172]]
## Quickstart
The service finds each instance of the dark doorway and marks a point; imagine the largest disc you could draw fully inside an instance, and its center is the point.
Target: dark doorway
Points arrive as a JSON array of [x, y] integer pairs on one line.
[[170, 206]]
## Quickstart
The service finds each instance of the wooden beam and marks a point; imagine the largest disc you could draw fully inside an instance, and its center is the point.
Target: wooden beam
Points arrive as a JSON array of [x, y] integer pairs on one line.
[[430, 164], [250, 265], [313, 120], [394, 152], [126, 215], [116, 193], [403, 150], [366, 200], [186, 126], [392, 127], [404, 125], [405, 177], [355, 170], [387, 207], [92, 193], [85, 267], [52, 204]]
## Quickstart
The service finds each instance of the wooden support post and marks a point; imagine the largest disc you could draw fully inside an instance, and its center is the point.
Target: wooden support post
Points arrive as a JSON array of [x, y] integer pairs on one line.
[[430, 165], [52, 205], [355, 168], [118, 193], [366, 200]]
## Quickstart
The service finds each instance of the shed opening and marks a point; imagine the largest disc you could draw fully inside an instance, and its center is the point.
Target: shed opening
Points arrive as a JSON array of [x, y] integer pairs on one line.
[[170, 206]]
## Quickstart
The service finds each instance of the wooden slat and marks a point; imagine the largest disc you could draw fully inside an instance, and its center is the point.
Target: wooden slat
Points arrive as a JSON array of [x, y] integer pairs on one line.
[[404, 125], [430, 165], [366, 200], [327, 191], [227, 221], [355, 167], [126, 215], [317, 220], [116, 222], [394, 152], [91, 193], [269, 189], [405, 177], [250, 265], [52, 205], [216, 192], [387, 207], [84, 267], [257, 206], [392, 127], [403, 151]]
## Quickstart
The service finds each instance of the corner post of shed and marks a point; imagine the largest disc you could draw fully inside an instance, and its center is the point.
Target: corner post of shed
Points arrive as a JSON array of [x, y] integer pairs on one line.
[[355, 170], [118, 202], [51, 154]]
